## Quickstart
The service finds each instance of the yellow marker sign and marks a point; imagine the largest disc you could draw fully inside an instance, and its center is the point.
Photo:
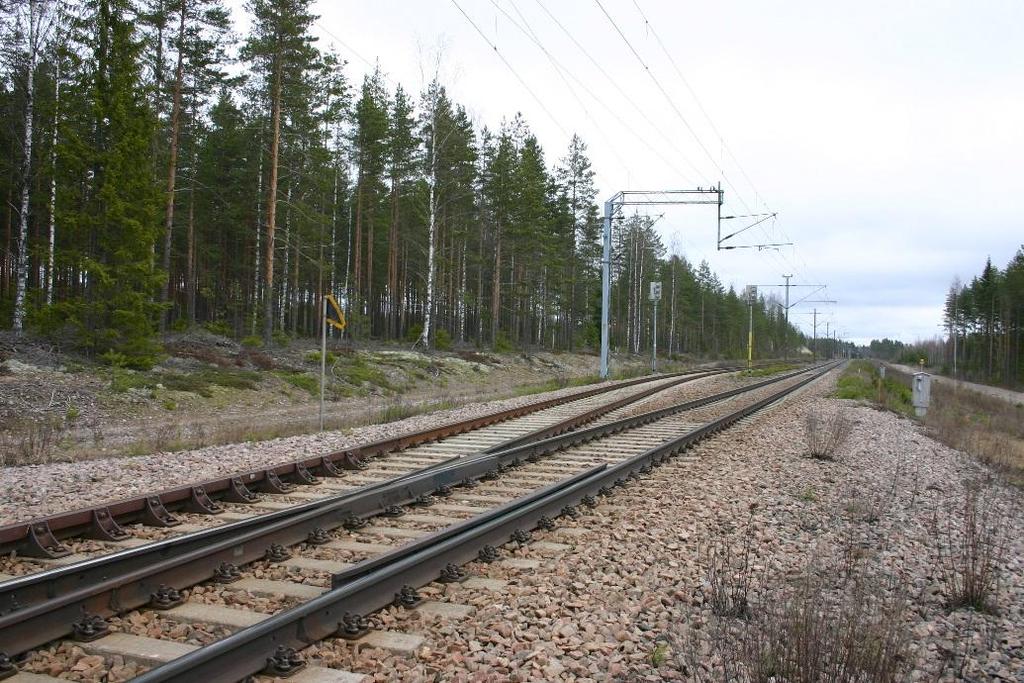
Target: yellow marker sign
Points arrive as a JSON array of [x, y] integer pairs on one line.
[[338, 323]]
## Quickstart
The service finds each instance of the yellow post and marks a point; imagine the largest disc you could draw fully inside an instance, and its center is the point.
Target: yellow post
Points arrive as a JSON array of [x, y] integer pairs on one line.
[[750, 338]]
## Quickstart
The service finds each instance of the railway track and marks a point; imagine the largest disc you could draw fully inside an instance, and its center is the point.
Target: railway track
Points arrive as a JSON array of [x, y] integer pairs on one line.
[[452, 509], [162, 514], [67, 572]]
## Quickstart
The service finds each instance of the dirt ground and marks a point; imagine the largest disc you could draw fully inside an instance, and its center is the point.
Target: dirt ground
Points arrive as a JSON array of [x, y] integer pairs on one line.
[[56, 405]]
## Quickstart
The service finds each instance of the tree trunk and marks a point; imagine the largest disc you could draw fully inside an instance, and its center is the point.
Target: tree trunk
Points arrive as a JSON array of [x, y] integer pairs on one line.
[[26, 172], [285, 307], [424, 339], [190, 251], [172, 166], [53, 186], [275, 143], [392, 293], [259, 231]]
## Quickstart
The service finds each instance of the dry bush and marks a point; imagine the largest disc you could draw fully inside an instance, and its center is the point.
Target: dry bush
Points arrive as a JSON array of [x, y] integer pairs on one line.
[[814, 634], [829, 625], [257, 359], [30, 442], [200, 353], [825, 431], [971, 545], [727, 573], [166, 437]]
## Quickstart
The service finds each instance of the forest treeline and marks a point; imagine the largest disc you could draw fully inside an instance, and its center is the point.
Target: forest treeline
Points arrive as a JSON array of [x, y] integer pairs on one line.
[[159, 171], [984, 321]]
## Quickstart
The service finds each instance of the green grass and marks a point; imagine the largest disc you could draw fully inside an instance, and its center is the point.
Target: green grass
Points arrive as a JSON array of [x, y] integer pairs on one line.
[[659, 654], [769, 370], [301, 380], [860, 381], [399, 410], [358, 373], [199, 382], [554, 384]]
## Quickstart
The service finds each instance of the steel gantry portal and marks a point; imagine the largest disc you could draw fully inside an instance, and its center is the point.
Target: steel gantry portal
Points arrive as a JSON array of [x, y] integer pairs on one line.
[[612, 207]]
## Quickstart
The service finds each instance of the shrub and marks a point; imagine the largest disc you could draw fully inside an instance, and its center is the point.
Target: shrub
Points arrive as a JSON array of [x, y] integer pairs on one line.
[[280, 338], [252, 342], [970, 558], [314, 357], [255, 358], [442, 340], [30, 442], [502, 344], [413, 333], [825, 432], [727, 574], [219, 327], [813, 634]]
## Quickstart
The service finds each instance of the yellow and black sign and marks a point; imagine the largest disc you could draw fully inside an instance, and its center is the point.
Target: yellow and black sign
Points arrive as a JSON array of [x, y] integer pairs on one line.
[[338, 320]]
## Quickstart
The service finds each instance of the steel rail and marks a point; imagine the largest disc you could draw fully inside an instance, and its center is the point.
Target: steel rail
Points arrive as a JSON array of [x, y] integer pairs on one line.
[[248, 651], [39, 537], [52, 601]]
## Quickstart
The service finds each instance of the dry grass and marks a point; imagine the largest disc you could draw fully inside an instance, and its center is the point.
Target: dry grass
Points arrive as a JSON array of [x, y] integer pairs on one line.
[[30, 442], [988, 428], [825, 431]]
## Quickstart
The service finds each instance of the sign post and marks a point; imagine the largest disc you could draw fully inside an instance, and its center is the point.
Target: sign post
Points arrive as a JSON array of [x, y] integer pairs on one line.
[[655, 297], [338, 324]]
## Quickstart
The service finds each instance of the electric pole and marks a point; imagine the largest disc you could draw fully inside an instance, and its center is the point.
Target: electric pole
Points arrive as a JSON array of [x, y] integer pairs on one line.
[[785, 333], [751, 295], [787, 285], [702, 195], [814, 348]]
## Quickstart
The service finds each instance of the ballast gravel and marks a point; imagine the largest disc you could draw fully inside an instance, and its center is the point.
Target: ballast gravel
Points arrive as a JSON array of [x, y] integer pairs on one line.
[[33, 491], [630, 600]]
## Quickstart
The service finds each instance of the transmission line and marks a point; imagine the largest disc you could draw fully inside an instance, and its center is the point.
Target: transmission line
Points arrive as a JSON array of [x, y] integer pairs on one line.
[[658, 129], [510, 68]]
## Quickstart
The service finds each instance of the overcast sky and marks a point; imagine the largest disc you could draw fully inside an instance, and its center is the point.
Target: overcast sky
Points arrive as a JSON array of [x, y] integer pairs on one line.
[[888, 136]]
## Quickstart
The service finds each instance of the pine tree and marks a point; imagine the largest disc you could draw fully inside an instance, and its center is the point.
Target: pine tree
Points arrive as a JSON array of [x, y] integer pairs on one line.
[[283, 50], [401, 161], [201, 32], [575, 179], [369, 148]]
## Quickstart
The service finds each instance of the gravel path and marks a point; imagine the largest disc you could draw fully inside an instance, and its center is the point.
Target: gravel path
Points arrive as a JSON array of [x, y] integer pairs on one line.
[[36, 490], [633, 599], [1008, 395]]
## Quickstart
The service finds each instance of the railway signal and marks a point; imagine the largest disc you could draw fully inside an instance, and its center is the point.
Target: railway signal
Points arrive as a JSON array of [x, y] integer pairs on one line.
[[655, 297]]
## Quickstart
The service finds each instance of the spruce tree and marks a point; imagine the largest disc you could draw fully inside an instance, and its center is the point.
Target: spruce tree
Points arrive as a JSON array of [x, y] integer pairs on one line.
[[121, 210]]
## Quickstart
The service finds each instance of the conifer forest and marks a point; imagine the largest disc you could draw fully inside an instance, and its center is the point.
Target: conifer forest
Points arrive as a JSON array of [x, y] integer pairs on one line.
[[159, 170]]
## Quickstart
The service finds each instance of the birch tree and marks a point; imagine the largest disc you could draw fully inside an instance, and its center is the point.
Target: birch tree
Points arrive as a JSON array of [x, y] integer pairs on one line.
[[34, 26]]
